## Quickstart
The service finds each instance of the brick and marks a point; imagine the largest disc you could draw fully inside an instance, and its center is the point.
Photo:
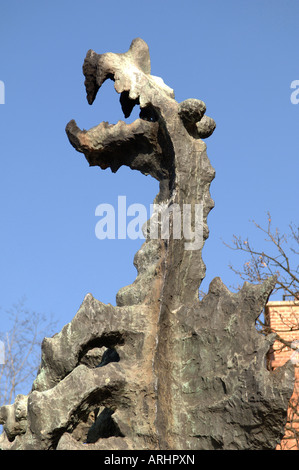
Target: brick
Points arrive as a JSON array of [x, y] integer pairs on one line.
[[283, 318]]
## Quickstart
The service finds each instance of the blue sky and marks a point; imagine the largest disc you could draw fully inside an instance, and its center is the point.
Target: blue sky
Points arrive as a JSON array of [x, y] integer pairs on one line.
[[239, 57]]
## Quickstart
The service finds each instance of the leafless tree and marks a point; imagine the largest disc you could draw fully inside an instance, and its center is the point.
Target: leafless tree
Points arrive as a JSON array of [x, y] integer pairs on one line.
[[280, 259], [21, 349]]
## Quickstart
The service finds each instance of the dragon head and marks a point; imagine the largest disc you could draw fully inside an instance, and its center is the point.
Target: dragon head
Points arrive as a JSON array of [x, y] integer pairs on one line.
[[146, 144]]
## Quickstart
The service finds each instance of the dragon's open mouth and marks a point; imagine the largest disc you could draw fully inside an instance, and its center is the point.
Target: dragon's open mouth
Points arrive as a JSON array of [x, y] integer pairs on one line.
[[139, 144], [145, 144]]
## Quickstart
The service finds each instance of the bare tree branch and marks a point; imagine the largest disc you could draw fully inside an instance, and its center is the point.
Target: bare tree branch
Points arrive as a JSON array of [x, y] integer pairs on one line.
[[22, 345], [280, 260]]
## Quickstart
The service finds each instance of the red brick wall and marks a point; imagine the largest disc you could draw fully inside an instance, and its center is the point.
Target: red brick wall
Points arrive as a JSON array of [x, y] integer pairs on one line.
[[283, 318]]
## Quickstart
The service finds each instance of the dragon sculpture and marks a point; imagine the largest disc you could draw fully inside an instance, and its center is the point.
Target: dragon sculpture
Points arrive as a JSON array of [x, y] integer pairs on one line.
[[176, 372]]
